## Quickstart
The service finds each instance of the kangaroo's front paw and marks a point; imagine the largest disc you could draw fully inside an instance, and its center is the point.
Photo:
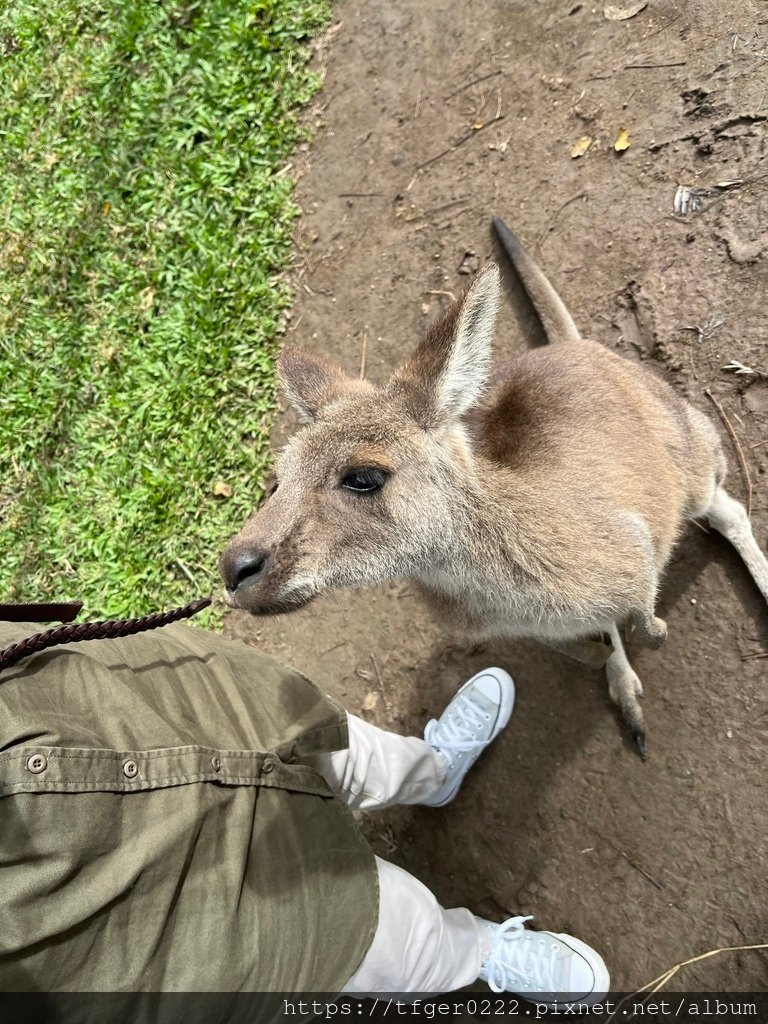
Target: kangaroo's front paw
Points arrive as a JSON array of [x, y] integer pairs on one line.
[[647, 630]]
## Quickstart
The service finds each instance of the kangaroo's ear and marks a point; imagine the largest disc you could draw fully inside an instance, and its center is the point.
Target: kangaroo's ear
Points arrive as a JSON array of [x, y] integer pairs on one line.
[[448, 372], [309, 382]]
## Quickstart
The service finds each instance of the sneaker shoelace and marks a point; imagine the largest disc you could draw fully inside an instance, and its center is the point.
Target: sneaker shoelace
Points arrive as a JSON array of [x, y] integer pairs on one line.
[[455, 735], [512, 960]]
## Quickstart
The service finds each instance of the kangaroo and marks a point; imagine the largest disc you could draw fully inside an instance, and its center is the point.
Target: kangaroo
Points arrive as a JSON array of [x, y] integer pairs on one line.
[[541, 500]]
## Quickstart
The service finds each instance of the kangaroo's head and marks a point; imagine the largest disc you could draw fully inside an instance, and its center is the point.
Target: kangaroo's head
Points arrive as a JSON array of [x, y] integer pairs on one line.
[[367, 492]]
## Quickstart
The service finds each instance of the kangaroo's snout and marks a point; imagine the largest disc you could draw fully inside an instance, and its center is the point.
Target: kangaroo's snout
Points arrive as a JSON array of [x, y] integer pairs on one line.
[[242, 567], [261, 570], [246, 569]]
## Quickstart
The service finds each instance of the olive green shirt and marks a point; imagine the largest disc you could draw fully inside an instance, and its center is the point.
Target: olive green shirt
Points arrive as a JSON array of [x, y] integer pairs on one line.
[[157, 831]]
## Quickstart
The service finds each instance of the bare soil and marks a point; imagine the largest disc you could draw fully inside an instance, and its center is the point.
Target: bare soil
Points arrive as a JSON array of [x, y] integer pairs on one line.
[[436, 115]]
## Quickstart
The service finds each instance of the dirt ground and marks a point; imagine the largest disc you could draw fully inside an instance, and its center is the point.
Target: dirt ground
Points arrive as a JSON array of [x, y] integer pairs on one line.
[[436, 115]]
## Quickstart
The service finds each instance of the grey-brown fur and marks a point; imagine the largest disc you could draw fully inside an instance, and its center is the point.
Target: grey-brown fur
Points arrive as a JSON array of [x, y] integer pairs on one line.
[[541, 500]]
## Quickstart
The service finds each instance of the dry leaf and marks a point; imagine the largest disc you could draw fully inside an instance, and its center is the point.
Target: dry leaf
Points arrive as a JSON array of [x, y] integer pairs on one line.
[[739, 368], [614, 13], [222, 490], [50, 160], [108, 353], [370, 701], [622, 140], [687, 199], [581, 146]]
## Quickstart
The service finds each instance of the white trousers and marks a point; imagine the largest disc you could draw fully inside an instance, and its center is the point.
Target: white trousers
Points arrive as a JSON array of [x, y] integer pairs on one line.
[[418, 946]]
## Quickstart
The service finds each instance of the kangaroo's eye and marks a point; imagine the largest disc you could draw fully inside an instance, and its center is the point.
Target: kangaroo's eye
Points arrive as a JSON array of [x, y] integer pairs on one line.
[[364, 480]]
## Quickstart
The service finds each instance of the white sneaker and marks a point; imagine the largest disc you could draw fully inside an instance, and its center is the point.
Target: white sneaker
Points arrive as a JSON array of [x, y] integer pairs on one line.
[[542, 966], [474, 718]]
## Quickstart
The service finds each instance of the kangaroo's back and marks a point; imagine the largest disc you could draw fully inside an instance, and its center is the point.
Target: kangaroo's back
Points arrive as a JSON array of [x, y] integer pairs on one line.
[[587, 413]]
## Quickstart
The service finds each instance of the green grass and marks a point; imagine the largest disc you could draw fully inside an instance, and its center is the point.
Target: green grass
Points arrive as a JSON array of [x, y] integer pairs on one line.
[[143, 220]]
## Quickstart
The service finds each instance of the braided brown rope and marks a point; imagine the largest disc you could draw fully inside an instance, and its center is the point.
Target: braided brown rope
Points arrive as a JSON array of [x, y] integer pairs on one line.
[[41, 611], [108, 629]]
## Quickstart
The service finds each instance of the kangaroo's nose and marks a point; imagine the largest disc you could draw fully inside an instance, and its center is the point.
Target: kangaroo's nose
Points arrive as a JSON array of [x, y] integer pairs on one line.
[[245, 566]]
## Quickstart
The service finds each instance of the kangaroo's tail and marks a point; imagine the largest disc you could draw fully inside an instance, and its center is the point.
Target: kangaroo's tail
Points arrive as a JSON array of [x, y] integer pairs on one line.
[[557, 321]]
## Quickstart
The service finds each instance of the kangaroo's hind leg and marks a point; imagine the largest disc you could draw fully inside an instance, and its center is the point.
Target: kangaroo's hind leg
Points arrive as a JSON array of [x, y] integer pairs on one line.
[[730, 518], [625, 689], [588, 652]]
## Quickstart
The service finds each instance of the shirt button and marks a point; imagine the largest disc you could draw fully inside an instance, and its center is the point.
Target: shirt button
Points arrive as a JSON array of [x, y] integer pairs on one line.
[[37, 763], [267, 766], [130, 769], [216, 763]]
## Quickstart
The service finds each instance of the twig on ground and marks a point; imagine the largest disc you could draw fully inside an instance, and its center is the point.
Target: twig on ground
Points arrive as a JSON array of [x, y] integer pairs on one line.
[[714, 128], [481, 104], [461, 141], [737, 444], [475, 81], [358, 195], [663, 28], [614, 846], [388, 838], [737, 926], [550, 227], [303, 254], [363, 353], [730, 191], [445, 206], [186, 572], [672, 64], [387, 705], [658, 983], [439, 291], [335, 646], [363, 139]]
